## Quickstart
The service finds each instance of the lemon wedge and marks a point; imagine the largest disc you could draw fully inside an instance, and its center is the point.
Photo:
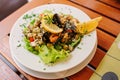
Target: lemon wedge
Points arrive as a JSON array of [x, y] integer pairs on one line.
[[51, 27], [89, 26]]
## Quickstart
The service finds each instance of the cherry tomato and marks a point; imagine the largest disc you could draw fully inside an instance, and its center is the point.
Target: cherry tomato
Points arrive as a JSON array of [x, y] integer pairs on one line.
[[31, 39]]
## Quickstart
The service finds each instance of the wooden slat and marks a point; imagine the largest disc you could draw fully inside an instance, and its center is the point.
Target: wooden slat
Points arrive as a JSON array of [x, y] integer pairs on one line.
[[97, 57], [6, 73], [114, 3], [101, 8], [104, 39], [84, 74], [109, 26]]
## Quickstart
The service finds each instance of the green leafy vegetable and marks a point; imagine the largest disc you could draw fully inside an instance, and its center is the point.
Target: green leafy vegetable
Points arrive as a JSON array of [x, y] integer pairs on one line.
[[48, 55], [28, 47], [73, 44], [48, 19], [23, 25], [27, 16], [19, 45], [32, 22], [51, 55], [58, 47], [79, 47]]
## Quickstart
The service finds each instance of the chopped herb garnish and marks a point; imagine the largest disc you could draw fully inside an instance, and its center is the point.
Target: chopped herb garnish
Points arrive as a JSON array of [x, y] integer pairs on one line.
[[79, 47], [81, 43], [32, 22], [39, 61], [27, 16], [23, 25], [89, 35], [34, 15], [19, 45], [48, 19], [44, 68]]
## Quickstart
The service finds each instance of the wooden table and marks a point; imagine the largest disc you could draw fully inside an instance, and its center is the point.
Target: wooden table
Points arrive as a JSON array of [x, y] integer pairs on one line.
[[107, 31]]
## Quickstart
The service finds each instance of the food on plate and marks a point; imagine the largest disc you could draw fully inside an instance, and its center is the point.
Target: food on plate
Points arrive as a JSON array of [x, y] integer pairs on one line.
[[53, 36]]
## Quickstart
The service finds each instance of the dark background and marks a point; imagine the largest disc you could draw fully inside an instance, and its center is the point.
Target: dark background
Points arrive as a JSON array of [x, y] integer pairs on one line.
[[9, 6]]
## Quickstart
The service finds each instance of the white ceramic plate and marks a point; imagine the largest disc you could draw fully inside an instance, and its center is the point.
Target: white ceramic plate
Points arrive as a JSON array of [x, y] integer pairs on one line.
[[32, 61], [58, 74]]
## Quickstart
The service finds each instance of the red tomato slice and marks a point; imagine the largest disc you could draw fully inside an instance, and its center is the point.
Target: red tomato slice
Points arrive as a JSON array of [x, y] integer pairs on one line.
[[31, 39]]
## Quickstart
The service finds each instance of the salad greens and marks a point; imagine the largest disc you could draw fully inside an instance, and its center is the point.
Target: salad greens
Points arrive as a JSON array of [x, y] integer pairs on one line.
[[40, 39], [48, 55]]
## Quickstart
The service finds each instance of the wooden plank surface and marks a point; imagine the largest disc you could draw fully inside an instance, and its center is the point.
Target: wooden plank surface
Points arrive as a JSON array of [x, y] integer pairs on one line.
[[100, 8], [104, 39], [6, 73], [97, 58], [84, 74], [113, 3]]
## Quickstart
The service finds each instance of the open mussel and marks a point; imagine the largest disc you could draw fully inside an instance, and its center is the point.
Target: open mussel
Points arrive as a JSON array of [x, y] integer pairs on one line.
[[56, 20], [46, 36]]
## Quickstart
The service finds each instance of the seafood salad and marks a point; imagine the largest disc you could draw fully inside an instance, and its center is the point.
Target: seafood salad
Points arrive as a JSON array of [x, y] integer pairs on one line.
[[52, 36]]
